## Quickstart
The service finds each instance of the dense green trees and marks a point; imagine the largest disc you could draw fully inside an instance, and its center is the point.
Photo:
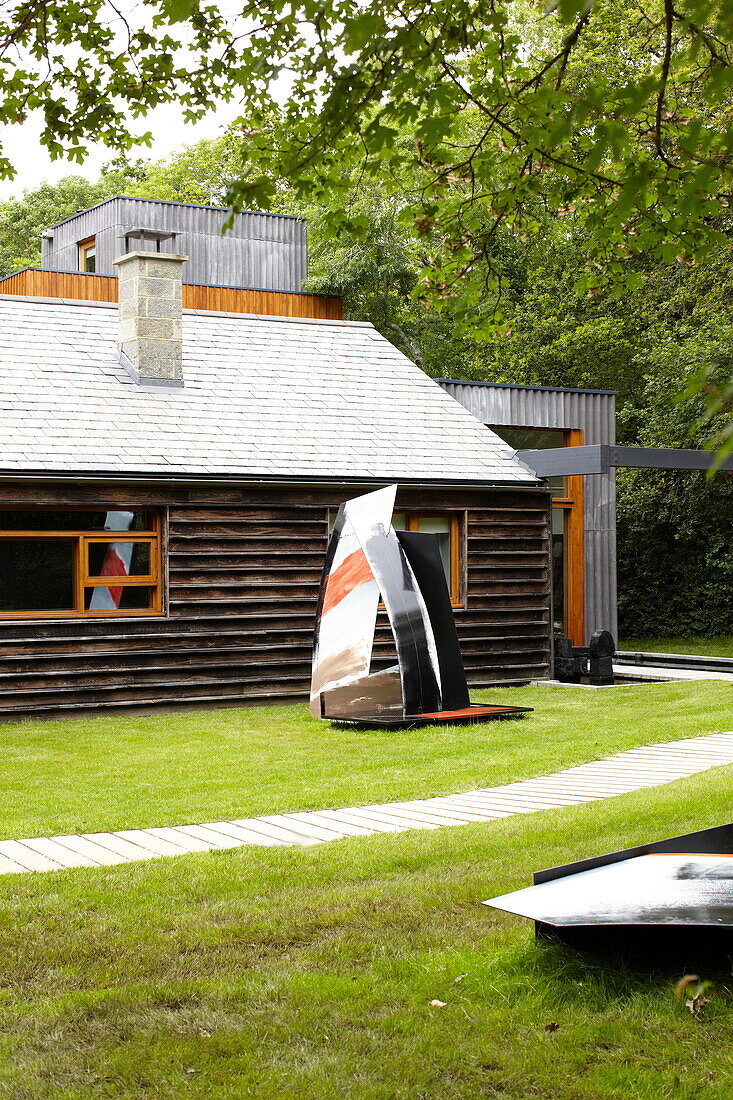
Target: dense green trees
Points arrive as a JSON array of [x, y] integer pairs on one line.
[[675, 554], [647, 342], [613, 114]]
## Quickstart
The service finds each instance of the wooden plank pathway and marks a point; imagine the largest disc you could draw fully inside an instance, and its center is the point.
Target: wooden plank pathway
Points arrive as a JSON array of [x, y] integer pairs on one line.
[[649, 766]]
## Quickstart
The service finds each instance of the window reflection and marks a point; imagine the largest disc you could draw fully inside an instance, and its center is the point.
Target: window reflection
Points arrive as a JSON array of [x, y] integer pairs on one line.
[[445, 529], [36, 574], [536, 439]]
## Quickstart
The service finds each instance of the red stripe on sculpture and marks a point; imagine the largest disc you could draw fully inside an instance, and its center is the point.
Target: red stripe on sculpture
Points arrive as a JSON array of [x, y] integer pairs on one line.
[[353, 572], [113, 566]]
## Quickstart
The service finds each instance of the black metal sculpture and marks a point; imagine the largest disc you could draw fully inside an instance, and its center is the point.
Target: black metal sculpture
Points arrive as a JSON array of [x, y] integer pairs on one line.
[[650, 897], [366, 559], [595, 660]]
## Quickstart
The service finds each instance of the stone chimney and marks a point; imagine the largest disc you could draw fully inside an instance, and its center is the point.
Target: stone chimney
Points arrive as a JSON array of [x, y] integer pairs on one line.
[[150, 305]]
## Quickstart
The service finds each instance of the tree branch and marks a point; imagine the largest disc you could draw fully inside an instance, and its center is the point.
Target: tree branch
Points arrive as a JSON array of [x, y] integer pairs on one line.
[[666, 62]]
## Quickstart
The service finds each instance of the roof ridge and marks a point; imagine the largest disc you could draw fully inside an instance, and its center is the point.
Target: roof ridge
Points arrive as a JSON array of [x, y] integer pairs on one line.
[[172, 202]]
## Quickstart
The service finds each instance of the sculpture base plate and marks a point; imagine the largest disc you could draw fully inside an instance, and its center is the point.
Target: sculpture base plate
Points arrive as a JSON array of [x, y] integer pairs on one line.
[[466, 716], [686, 947]]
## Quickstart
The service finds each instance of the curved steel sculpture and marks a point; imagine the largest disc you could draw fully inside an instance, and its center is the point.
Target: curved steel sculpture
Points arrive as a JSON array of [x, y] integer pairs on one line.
[[368, 560]]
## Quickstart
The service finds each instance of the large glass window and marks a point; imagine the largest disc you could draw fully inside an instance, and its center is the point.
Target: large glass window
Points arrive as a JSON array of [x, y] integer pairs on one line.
[[37, 575], [568, 562], [558, 570], [537, 439], [79, 562]]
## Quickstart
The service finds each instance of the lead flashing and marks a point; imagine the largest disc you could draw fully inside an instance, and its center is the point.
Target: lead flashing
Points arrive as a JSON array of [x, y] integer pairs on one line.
[[518, 386]]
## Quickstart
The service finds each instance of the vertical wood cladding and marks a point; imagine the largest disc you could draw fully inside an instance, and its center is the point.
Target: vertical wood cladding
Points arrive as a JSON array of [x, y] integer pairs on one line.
[[81, 286], [243, 573]]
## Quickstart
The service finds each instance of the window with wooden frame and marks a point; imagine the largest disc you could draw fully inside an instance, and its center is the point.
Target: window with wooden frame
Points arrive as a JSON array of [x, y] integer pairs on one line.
[[64, 563], [88, 255], [446, 526], [567, 518]]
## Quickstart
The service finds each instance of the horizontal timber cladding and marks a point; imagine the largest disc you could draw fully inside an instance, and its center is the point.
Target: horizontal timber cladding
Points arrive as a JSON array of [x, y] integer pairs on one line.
[[243, 569]]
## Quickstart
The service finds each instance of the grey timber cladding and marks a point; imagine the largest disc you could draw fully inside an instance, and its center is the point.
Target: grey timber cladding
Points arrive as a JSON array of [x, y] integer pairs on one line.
[[595, 413], [266, 251], [262, 397]]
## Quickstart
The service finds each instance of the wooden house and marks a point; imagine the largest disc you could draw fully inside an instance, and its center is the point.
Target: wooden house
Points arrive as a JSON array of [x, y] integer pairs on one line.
[[170, 464]]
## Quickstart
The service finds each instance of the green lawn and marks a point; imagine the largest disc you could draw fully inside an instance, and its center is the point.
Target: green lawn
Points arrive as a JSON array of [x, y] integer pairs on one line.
[[308, 973], [708, 647], [124, 772]]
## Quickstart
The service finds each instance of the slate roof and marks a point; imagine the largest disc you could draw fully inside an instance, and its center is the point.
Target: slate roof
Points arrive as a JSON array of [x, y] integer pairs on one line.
[[263, 397]]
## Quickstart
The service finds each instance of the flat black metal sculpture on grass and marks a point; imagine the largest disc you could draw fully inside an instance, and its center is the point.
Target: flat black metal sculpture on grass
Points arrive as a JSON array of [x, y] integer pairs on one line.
[[670, 895], [367, 559]]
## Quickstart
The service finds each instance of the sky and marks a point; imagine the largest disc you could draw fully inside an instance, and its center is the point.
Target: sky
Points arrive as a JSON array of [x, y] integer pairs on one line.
[[170, 132]]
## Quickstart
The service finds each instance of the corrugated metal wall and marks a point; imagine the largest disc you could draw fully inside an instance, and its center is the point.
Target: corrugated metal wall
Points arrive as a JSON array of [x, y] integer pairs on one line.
[[266, 251], [595, 413]]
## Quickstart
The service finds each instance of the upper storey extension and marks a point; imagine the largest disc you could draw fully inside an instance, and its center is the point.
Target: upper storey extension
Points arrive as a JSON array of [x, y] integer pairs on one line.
[[259, 251]]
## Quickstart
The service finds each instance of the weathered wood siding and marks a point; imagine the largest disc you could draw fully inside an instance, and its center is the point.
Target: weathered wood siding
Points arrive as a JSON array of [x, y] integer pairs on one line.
[[243, 573], [80, 286]]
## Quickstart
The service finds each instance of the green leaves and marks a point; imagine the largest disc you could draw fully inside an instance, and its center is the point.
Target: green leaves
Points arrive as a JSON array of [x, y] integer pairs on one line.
[[176, 11], [483, 124], [90, 71]]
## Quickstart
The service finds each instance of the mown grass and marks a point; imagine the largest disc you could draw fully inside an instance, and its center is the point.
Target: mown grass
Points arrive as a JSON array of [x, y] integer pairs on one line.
[[115, 772], [708, 647], [308, 974]]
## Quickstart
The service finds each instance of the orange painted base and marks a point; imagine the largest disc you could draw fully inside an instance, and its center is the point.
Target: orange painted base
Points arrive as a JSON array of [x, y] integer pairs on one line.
[[467, 716], [469, 712]]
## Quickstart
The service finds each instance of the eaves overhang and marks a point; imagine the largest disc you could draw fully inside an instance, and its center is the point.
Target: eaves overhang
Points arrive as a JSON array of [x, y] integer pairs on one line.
[[522, 386], [255, 480]]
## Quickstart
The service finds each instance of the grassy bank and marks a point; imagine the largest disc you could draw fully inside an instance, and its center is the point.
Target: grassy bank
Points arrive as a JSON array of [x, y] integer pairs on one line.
[[707, 647], [308, 974], [120, 772]]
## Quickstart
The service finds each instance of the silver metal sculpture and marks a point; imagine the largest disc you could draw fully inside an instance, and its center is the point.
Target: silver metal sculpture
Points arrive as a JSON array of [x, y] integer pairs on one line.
[[675, 893], [368, 560]]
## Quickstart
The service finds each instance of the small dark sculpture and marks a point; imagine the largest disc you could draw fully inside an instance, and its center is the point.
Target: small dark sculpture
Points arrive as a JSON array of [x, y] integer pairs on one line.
[[601, 651], [366, 559], [595, 660], [568, 662]]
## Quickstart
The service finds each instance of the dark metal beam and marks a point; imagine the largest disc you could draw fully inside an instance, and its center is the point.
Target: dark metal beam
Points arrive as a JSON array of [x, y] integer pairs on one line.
[[601, 458], [556, 461], [667, 458]]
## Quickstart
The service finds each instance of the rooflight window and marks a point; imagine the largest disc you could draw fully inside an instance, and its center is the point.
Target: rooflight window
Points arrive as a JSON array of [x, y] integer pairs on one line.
[[88, 255]]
